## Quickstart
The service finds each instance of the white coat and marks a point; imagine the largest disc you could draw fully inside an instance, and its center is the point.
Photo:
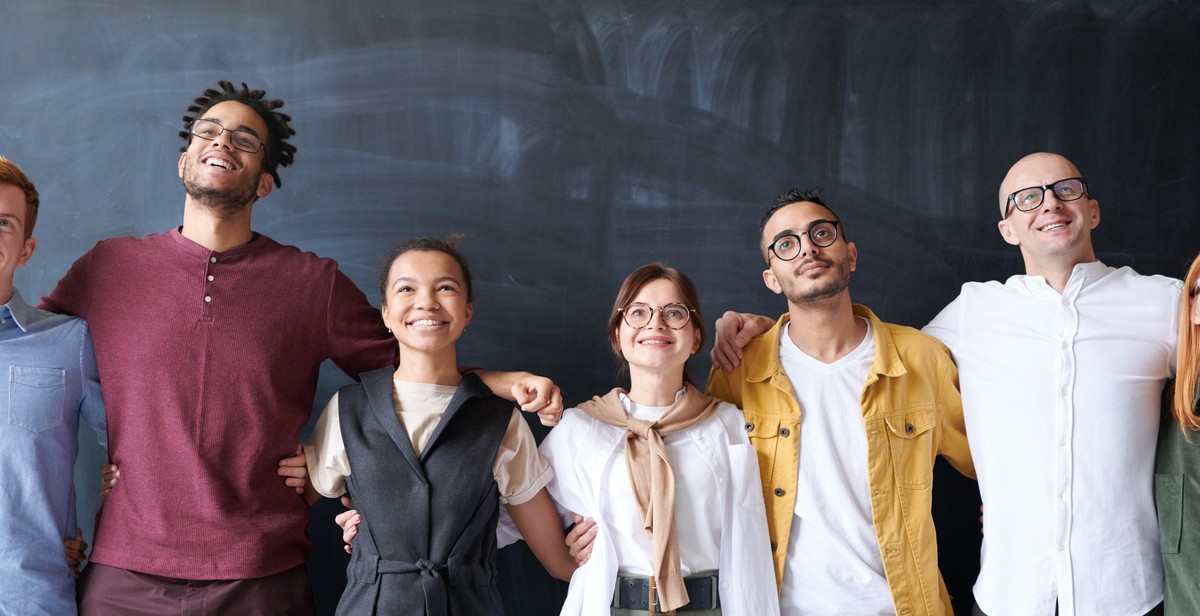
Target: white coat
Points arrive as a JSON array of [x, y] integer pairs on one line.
[[583, 451]]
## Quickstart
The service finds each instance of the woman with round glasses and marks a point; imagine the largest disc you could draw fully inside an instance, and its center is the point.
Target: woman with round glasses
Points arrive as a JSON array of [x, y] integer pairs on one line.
[[667, 473], [1177, 474]]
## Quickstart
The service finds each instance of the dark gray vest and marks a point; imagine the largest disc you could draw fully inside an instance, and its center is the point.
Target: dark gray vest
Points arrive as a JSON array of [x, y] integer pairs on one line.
[[427, 542]]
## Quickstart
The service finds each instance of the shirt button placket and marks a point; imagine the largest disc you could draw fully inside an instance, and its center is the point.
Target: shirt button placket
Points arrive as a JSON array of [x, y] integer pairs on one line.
[[206, 307], [1065, 463]]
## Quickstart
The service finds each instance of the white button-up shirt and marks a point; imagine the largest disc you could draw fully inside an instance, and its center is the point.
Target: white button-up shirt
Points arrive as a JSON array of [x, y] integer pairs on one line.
[[1061, 395]]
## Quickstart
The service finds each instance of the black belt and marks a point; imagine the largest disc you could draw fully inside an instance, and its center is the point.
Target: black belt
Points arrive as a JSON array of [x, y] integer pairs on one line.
[[633, 593]]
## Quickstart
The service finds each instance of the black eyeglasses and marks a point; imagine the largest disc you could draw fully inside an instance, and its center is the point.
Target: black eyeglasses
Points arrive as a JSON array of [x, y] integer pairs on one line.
[[1028, 199], [638, 315], [241, 139], [822, 234]]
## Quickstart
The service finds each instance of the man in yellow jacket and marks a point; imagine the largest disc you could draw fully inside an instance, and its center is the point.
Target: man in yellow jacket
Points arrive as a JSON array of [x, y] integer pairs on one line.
[[847, 414]]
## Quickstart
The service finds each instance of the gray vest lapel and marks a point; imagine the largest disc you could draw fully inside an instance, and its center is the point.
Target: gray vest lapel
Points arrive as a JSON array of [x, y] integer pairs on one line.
[[378, 386], [470, 387]]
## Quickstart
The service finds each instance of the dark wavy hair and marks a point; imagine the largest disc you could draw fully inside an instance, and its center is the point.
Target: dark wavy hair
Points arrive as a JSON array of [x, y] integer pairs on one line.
[[279, 153]]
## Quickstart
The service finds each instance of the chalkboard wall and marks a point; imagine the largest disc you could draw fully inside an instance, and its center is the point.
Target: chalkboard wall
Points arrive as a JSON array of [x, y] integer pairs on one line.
[[574, 140]]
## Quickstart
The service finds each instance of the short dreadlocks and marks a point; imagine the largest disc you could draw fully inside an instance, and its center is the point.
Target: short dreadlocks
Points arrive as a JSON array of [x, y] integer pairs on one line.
[[279, 153]]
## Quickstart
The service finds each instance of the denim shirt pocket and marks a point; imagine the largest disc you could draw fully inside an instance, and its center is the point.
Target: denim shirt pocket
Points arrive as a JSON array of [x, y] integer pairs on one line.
[[35, 397], [911, 440], [764, 436], [1168, 497]]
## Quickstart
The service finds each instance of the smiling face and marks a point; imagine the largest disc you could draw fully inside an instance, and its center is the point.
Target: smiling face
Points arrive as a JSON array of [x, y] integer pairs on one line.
[[426, 304], [656, 347], [15, 248], [217, 175], [1056, 234], [816, 274]]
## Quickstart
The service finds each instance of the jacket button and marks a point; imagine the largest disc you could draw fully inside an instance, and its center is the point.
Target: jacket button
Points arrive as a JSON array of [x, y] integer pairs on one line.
[[784, 432], [774, 545], [908, 428], [749, 426], [778, 491]]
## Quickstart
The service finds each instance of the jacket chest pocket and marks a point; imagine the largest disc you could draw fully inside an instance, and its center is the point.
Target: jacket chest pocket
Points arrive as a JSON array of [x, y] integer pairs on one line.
[[770, 438], [910, 437], [35, 397]]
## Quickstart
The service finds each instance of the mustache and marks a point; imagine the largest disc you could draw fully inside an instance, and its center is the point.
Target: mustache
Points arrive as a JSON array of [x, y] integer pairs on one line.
[[805, 263]]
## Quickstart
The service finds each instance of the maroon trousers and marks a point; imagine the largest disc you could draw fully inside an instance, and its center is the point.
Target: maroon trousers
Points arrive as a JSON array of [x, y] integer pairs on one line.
[[109, 591]]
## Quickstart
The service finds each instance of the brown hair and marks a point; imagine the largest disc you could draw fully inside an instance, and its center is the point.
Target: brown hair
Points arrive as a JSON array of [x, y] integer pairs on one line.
[[634, 283], [12, 174], [1188, 354]]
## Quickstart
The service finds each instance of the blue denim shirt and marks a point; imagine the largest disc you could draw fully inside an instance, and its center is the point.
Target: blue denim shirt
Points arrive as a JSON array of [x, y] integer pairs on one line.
[[48, 382]]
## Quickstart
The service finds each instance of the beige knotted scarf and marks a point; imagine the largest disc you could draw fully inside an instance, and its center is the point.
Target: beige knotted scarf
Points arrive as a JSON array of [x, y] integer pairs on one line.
[[652, 479]]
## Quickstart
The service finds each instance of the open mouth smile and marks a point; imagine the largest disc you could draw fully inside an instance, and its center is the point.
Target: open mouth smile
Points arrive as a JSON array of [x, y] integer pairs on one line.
[[217, 161]]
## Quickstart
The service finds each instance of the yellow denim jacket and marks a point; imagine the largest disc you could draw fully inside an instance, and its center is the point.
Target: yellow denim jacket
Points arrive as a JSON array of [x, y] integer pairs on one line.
[[911, 413]]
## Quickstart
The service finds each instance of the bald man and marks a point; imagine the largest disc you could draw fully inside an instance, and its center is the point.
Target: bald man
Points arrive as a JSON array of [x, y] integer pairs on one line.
[[1061, 371]]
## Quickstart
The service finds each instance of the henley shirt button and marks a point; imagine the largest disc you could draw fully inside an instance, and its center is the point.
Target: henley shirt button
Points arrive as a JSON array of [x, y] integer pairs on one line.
[[212, 260], [1062, 547], [210, 277], [784, 432], [1065, 344], [749, 426], [778, 491], [207, 298]]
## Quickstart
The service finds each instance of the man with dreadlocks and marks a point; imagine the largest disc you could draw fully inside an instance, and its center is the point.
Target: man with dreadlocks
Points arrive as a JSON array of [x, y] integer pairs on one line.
[[209, 339]]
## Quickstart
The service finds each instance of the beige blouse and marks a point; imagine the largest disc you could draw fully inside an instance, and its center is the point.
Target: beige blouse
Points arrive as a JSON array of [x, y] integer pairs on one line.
[[519, 469]]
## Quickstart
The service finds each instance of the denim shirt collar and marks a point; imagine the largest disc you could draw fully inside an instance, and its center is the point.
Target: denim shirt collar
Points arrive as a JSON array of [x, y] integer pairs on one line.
[[18, 310]]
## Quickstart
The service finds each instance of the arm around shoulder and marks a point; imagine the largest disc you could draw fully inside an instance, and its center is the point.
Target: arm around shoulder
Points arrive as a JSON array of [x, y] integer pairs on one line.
[[71, 294], [357, 339], [532, 393]]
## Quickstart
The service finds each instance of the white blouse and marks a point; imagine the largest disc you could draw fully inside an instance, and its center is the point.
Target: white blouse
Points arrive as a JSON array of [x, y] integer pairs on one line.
[[720, 516]]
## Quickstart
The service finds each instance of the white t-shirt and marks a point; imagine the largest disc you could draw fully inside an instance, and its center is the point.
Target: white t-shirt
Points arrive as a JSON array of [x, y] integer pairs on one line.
[[833, 564]]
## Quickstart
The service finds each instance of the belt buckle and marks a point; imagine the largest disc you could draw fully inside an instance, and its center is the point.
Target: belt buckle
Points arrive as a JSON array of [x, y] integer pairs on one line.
[[652, 599]]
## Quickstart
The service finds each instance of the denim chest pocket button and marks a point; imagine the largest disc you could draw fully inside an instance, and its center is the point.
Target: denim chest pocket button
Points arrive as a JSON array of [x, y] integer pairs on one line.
[[35, 397]]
